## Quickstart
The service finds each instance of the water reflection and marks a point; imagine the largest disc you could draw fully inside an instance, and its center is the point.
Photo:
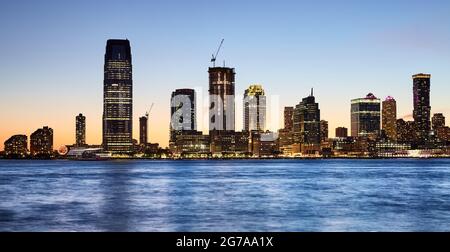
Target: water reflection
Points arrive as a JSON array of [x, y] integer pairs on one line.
[[115, 205], [278, 195]]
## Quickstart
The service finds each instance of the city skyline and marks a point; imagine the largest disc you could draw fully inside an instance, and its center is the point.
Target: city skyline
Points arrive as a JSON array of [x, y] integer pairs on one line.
[[55, 101]]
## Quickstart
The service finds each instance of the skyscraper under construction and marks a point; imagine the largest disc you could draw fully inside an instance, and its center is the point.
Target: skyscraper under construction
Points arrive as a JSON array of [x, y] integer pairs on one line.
[[222, 98]]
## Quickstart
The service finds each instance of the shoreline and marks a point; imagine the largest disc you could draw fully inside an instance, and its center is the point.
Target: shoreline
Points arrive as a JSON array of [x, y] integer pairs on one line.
[[230, 159]]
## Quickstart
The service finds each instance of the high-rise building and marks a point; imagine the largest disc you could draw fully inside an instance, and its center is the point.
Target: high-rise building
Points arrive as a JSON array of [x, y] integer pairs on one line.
[[143, 130], [341, 132], [422, 108], [438, 121], [80, 131], [222, 97], [41, 142], [288, 118], [191, 143], [389, 118], [229, 142], [307, 121], [254, 109], [406, 131], [183, 113], [16, 146], [365, 116], [323, 130], [118, 97]]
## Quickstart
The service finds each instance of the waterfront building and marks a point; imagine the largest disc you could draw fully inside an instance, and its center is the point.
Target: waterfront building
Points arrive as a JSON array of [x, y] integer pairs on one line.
[[443, 134], [16, 146], [285, 141], [406, 131], [80, 131], [143, 130], [389, 118], [192, 144], [438, 121], [391, 149], [422, 108], [229, 143], [118, 98], [41, 142], [366, 116], [222, 98], [254, 109], [263, 144], [183, 114], [307, 121], [352, 146]]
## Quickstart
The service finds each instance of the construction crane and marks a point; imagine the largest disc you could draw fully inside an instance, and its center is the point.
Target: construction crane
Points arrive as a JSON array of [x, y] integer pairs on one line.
[[214, 56], [147, 114]]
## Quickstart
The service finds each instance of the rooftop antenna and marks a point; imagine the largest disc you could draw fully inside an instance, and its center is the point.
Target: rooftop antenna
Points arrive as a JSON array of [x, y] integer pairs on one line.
[[214, 56], [312, 91]]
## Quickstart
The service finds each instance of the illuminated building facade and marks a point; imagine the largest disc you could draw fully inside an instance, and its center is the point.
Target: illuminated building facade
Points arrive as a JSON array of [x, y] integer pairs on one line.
[[289, 118], [389, 118], [422, 108], [192, 143], [221, 98], [323, 131], [229, 142], [406, 131], [254, 108], [183, 114], [443, 133], [366, 116], [307, 121], [438, 121], [41, 142], [263, 144], [118, 98], [16, 146], [80, 131]]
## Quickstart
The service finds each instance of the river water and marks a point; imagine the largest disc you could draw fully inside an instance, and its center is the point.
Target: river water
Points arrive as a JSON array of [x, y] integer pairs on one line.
[[225, 195]]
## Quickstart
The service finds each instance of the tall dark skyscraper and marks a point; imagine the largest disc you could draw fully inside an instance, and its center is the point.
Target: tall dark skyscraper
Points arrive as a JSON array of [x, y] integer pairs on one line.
[[183, 111], [254, 108], [422, 108], [80, 130], [366, 116], [389, 118], [143, 130], [221, 98], [307, 121], [118, 98]]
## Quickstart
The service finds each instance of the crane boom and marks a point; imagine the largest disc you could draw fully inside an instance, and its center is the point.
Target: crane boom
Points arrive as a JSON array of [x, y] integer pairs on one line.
[[214, 57], [149, 111]]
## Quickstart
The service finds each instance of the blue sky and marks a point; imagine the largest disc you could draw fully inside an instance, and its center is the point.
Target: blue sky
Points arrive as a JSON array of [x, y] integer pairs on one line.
[[52, 55]]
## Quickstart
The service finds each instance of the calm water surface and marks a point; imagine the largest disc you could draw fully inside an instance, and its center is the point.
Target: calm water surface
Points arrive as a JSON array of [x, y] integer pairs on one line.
[[275, 195]]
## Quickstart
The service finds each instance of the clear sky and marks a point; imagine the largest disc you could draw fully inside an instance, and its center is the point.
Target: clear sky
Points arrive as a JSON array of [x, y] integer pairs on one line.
[[51, 65]]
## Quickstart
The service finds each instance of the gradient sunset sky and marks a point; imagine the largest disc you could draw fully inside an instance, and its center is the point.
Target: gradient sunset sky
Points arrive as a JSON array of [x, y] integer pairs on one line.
[[52, 56]]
